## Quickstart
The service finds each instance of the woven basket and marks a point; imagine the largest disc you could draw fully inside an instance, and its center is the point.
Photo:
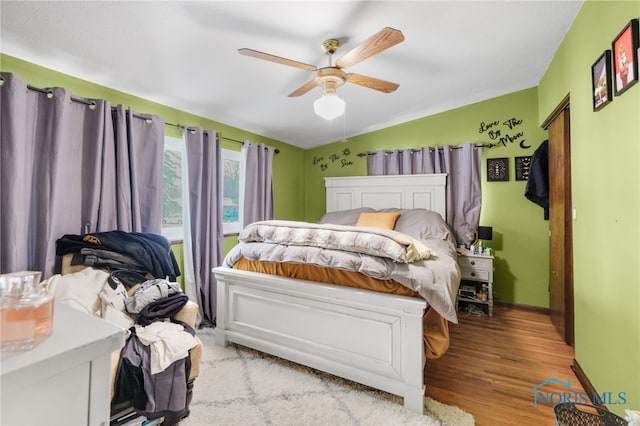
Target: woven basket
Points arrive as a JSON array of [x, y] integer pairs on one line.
[[576, 414]]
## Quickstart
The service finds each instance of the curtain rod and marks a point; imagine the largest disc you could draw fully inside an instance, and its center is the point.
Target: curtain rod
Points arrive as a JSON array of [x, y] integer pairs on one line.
[[91, 104], [277, 151], [412, 150], [87, 102], [179, 126]]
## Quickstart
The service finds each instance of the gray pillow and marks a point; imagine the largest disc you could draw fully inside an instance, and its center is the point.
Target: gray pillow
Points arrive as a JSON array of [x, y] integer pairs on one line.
[[344, 217], [421, 224]]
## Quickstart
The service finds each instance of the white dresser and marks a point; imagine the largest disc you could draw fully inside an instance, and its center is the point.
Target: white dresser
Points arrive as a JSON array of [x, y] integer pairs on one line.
[[65, 380]]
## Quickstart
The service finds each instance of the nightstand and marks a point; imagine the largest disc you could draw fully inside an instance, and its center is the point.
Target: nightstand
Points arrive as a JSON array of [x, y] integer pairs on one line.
[[476, 285]]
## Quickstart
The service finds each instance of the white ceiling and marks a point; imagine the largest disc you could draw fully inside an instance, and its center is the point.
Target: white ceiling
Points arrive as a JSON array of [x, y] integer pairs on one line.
[[184, 55]]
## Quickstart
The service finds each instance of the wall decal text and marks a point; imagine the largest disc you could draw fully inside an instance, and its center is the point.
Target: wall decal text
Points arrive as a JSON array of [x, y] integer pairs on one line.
[[503, 132], [338, 158]]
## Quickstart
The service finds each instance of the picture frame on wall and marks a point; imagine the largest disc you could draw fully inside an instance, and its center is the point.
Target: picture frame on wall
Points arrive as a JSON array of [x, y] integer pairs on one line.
[[522, 167], [497, 169], [601, 81], [624, 51]]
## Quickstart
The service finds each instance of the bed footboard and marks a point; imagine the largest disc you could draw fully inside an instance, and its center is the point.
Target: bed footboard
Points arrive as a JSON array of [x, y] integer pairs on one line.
[[371, 338]]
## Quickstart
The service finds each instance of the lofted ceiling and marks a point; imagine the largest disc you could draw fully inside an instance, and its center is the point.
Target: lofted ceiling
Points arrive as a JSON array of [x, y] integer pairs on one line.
[[185, 55]]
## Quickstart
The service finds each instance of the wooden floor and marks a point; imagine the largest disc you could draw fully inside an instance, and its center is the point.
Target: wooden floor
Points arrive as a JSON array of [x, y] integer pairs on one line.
[[493, 364]]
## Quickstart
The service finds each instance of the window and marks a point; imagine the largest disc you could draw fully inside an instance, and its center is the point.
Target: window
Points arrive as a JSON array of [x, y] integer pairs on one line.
[[172, 204], [175, 179], [233, 190]]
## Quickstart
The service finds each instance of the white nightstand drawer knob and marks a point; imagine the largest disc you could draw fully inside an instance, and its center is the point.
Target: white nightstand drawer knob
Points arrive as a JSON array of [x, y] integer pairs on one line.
[[473, 274], [473, 263]]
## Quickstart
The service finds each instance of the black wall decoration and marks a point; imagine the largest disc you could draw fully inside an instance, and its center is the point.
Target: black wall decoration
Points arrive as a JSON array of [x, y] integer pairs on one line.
[[497, 169], [334, 158], [522, 167]]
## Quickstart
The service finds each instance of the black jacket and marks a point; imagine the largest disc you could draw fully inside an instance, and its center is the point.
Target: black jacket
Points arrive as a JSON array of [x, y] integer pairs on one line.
[[151, 251], [537, 189]]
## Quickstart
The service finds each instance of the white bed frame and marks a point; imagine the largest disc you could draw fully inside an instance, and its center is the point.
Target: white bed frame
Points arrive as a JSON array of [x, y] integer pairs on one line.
[[372, 338]]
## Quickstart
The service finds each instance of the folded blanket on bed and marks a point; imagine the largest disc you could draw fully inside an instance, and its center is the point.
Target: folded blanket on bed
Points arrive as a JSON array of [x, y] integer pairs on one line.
[[435, 278], [379, 242]]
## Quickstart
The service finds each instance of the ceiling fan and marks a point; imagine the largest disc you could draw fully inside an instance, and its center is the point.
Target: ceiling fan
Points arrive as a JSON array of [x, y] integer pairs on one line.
[[331, 77]]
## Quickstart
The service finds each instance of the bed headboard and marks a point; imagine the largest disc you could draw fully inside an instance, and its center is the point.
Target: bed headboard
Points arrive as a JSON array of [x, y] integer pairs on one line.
[[380, 192]]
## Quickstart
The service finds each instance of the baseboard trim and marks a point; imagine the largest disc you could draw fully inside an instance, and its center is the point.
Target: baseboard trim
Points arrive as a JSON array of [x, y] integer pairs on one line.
[[530, 308], [586, 384]]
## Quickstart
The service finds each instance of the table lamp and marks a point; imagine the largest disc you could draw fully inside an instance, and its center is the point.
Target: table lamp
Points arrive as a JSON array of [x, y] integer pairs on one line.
[[485, 233]]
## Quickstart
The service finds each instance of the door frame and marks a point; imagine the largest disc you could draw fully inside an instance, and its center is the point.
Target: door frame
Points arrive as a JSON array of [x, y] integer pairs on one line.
[[567, 330]]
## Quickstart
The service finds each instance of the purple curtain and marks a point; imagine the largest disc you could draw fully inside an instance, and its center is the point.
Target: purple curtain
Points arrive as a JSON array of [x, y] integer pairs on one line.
[[204, 163], [258, 193], [60, 172], [460, 163], [139, 142]]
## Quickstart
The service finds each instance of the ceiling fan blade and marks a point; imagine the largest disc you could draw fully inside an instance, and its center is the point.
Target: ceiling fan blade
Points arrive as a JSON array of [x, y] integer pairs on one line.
[[277, 59], [382, 40], [372, 83], [304, 88]]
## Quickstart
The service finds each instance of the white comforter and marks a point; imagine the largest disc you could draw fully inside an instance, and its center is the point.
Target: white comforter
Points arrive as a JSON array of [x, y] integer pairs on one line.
[[428, 267], [372, 241]]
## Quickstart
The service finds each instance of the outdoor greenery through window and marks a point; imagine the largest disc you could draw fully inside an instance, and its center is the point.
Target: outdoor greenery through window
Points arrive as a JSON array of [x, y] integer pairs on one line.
[[172, 226], [232, 184], [175, 177]]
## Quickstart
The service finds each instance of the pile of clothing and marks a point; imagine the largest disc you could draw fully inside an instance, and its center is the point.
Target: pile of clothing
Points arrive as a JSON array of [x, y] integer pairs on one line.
[[119, 250], [154, 364], [139, 294]]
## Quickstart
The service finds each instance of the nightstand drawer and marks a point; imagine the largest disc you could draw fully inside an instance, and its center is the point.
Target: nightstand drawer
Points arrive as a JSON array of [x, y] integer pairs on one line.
[[474, 274], [476, 268], [467, 262]]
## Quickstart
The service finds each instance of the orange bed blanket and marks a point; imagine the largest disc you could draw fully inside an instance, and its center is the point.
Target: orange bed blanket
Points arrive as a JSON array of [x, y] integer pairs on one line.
[[435, 327]]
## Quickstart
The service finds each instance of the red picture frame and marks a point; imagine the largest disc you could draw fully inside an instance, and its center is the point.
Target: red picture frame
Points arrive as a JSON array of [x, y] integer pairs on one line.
[[624, 51]]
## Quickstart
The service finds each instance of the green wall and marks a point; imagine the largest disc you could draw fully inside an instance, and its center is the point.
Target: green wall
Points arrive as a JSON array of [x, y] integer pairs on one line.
[[520, 231], [605, 152], [607, 199], [287, 165]]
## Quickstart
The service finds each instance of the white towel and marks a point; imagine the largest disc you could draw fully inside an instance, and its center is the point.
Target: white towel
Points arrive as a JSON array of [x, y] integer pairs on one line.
[[80, 290], [113, 309], [168, 342]]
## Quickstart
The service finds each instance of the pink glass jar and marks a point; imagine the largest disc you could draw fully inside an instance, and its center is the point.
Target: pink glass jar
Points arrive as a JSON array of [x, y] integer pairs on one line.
[[26, 311]]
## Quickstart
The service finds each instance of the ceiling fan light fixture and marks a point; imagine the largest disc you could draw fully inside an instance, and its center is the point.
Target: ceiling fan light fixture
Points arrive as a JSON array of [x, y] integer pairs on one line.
[[329, 106]]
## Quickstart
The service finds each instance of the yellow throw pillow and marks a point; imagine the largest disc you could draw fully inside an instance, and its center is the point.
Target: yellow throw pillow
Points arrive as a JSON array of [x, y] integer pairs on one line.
[[378, 220]]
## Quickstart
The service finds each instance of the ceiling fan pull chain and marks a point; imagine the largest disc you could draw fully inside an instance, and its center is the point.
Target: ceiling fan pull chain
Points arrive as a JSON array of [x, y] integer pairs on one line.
[[344, 127]]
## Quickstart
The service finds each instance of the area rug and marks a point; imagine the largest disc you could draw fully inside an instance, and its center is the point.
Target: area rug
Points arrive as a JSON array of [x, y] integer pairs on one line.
[[240, 386]]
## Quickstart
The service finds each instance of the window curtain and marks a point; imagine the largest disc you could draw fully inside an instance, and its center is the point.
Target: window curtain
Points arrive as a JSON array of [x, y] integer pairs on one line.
[[139, 144], [188, 273], [258, 194], [204, 162], [71, 165], [461, 164]]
